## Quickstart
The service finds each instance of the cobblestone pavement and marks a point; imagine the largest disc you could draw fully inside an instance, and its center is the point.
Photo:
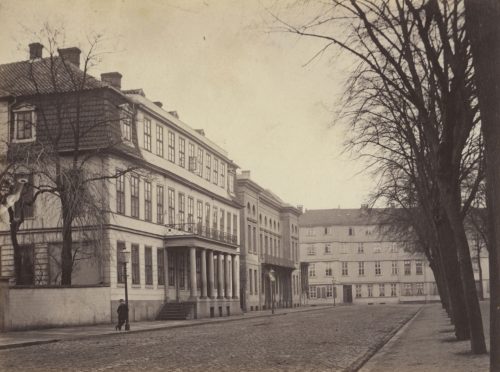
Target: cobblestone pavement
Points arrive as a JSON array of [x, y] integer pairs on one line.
[[328, 339]]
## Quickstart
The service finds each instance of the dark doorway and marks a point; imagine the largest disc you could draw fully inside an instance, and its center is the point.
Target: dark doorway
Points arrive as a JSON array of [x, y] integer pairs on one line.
[[347, 289], [26, 265]]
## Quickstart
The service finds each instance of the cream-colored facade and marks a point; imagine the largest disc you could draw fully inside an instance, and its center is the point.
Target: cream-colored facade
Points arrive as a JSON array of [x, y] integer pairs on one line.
[[269, 248], [174, 210], [350, 261]]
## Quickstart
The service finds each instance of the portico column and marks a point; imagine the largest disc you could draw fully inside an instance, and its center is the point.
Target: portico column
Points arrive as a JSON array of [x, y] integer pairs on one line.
[[192, 272], [211, 273], [220, 281], [165, 273], [203, 273], [229, 290], [236, 275]]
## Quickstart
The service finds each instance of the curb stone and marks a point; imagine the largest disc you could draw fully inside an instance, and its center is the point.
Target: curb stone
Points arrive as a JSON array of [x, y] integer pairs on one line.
[[361, 361]]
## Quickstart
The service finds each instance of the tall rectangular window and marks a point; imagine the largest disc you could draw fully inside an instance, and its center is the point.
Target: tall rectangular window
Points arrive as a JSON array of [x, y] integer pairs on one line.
[[394, 268], [120, 265], [370, 290], [221, 222], [215, 218], [148, 265], [199, 212], [419, 289], [160, 265], [182, 152], [207, 215], [328, 269], [134, 196], [256, 282], [358, 291], [312, 270], [345, 268], [147, 134], [378, 268], [250, 280], [200, 162], [228, 219], [148, 212], [182, 208], [407, 267], [191, 158], [235, 228], [120, 193], [419, 268], [361, 268], [25, 204], [171, 206], [208, 167], [223, 174], [215, 178], [254, 239], [393, 290], [159, 140], [381, 290], [361, 248], [24, 124], [171, 146], [136, 273], [249, 238], [230, 182], [190, 212], [171, 269], [159, 205], [126, 125]]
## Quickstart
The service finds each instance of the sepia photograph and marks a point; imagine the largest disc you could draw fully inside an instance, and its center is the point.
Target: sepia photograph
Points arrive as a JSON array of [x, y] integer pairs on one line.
[[250, 185]]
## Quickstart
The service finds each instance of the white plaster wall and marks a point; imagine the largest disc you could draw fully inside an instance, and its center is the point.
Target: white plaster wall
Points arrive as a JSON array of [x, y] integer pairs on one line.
[[46, 307]]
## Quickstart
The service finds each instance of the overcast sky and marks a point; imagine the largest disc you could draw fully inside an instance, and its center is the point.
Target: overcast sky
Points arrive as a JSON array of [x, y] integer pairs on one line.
[[216, 64]]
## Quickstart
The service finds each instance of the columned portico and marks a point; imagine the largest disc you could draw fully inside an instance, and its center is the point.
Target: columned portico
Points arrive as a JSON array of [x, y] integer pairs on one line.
[[220, 281], [211, 288], [203, 273], [192, 272], [228, 286], [236, 275]]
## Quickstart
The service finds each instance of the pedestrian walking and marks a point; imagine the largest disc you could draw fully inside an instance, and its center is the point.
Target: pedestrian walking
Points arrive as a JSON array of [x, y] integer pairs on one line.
[[122, 314]]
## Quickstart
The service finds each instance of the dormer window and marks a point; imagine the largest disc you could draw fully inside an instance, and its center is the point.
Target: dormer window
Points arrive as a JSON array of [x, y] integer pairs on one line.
[[126, 123], [24, 124]]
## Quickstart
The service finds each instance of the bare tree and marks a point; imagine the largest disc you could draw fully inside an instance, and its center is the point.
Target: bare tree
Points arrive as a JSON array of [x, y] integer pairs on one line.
[[77, 128], [416, 56], [484, 31]]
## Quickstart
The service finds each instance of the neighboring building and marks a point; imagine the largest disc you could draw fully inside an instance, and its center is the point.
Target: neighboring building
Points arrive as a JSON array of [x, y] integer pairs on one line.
[[269, 248], [176, 212], [350, 260]]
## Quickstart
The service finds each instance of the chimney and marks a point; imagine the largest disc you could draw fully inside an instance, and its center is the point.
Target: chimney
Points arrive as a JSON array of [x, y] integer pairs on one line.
[[35, 50], [174, 113], [71, 55], [245, 174], [112, 78], [200, 131], [158, 103], [300, 208]]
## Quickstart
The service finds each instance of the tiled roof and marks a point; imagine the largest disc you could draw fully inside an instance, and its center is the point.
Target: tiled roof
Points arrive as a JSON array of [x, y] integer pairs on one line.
[[45, 75], [342, 217]]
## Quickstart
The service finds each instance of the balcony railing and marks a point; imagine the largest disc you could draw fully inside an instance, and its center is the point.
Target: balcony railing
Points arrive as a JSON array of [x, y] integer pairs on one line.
[[191, 228], [277, 261]]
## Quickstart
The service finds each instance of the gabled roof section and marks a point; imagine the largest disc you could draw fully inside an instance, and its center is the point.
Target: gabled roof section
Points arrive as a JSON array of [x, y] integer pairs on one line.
[[343, 217], [45, 76]]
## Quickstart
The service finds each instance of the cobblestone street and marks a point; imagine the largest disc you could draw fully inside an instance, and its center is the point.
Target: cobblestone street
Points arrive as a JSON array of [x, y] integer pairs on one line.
[[327, 339]]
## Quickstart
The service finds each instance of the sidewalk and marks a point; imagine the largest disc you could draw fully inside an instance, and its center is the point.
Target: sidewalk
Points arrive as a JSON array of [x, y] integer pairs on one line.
[[42, 336], [427, 343]]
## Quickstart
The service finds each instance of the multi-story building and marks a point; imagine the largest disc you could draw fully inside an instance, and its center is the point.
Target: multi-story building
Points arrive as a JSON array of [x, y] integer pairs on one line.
[[169, 197], [269, 268], [351, 260]]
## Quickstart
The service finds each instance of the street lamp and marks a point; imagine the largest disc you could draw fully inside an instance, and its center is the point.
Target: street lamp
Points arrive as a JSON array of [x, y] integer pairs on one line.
[[125, 257], [272, 279]]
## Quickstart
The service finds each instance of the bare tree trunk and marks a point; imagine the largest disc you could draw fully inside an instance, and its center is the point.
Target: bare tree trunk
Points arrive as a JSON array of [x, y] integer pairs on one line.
[[67, 243], [451, 202], [451, 269], [483, 28], [14, 228]]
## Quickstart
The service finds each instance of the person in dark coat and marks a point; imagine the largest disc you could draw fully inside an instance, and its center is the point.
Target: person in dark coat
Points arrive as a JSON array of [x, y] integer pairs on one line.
[[122, 314]]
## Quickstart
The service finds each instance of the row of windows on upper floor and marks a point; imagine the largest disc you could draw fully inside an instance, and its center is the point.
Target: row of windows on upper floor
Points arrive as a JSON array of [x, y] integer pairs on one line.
[[196, 159], [179, 209], [406, 289], [345, 248], [273, 224], [377, 268], [269, 245], [340, 230]]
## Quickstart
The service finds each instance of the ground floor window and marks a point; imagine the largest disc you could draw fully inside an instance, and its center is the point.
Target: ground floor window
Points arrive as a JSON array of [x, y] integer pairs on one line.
[[407, 290], [420, 289], [393, 290], [358, 290], [312, 292], [370, 290], [381, 290]]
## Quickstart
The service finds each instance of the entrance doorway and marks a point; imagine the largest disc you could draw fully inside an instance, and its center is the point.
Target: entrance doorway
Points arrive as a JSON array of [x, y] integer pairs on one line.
[[347, 289]]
